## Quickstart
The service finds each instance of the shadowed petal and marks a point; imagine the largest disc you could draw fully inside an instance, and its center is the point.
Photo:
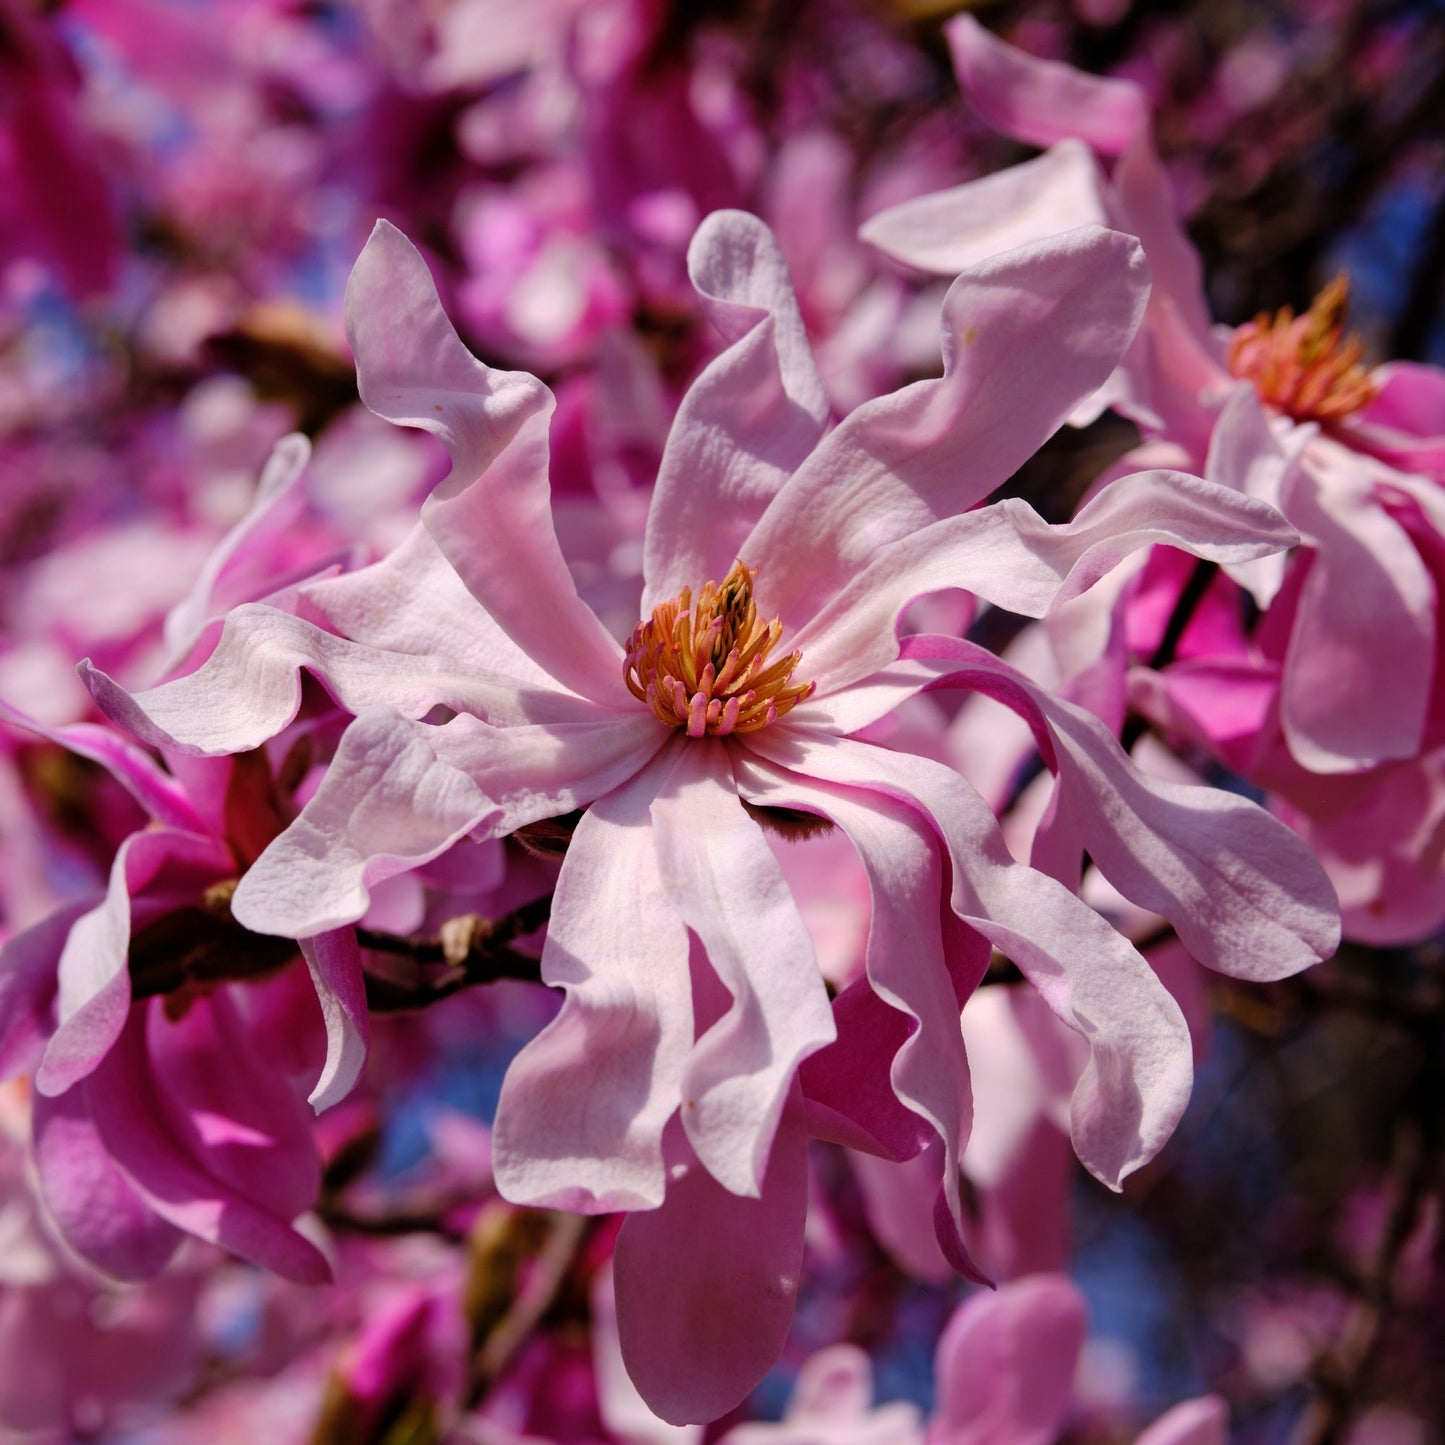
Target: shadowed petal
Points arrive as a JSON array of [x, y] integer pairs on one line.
[[706, 1283], [335, 964], [722, 879]]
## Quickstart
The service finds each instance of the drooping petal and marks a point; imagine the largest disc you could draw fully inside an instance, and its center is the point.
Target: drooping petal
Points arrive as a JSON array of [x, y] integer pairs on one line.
[[723, 881], [335, 964], [101, 1217], [1026, 335], [581, 1114], [1246, 896], [94, 979], [905, 958], [746, 423], [1140, 1070], [1043, 101], [28, 963], [492, 516], [398, 793], [1005, 1364], [706, 1283], [1356, 680], [1008, 555], [949, 230]]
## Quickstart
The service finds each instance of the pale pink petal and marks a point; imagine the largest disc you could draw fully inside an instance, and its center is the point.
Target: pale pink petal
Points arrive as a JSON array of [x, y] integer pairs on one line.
[[745, 424], [898, 1200], [1008, 555], [905, 959], [128, 1104], [1043, 101], [1246, 896], [94, 978], [1005, 1365], [1137, 1083], [398, 793], [1356, 681], [721, 878], [706, 1284], [1026, 335], [101, 1217], [335, 964], [581, 1114], [1204, 1421], [492, 516], [188, 618], [949, 230], [1405, 424]]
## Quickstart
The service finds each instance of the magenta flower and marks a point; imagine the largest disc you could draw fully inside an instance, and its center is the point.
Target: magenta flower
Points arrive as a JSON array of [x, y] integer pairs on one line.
[[778, 558]]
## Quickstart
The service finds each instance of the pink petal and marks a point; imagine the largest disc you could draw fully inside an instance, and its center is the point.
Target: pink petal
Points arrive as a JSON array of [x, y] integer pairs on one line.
[[723, 881], [1204, 1421], [28, 964], [1246, 896], [1008, 555], [706, 1284], [1357, 672], [905, 959], [1137, 1083], [101, 1217], [128, 1103], [492, 516], [94, 978], [1005, 1365], [949, 230], [335, 964], [399, 793], [1025, 335], [580, 1119], [1043, 101], [746, 423]]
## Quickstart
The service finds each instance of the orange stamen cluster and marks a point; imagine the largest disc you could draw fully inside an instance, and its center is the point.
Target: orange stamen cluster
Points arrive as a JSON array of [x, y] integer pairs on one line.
[[704, 666], [1306, 366]]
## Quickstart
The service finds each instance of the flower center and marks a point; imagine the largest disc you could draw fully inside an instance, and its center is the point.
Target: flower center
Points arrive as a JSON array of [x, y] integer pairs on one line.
[[704, 666], [1306, 366]]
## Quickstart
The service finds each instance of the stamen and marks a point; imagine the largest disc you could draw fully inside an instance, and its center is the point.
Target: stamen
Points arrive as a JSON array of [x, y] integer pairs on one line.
[[704, 667], [1306, 366]]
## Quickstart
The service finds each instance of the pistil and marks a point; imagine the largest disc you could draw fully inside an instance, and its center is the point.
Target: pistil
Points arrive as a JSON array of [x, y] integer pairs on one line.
[[703, 666]]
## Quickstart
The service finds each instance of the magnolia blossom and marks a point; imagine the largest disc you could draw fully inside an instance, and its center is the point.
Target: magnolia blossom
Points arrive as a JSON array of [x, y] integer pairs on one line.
[[1343, 674], [778, 558]]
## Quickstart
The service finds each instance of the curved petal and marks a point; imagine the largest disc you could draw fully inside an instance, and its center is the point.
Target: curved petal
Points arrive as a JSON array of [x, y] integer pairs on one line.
[[721, 878], [127, 1102], [1005, 1364], [398, 793], [581, 1114], [706, 1284], [1140, 1070], [1043, 101], [28, 963], [1356, 681], [492, 516], [1008, 555], [93, 973], [188, 618], [746, 423], [905, 960], [1026, 335], [101, 1217], [1244, 893], [1204, 1421], [949, 230], [335, 964]]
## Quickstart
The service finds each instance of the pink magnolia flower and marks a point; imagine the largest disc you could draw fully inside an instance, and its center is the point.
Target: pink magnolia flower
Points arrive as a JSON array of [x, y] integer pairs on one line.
[[487, 696]]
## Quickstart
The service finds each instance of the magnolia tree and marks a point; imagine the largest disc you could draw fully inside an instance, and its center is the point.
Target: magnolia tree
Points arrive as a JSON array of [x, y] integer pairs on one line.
[[686, 751]]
